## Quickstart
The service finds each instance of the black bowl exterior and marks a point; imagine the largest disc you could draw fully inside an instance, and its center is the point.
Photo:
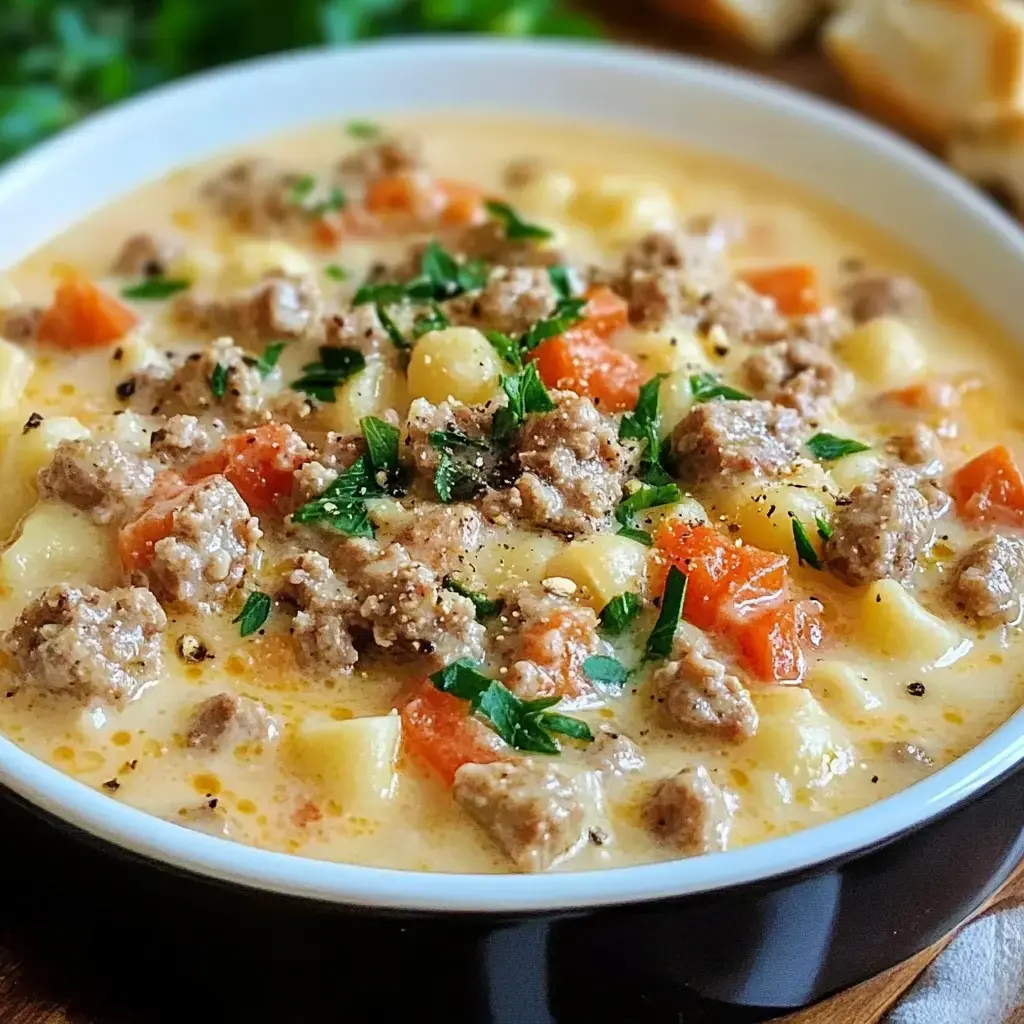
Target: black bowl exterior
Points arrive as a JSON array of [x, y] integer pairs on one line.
[[118, 938]]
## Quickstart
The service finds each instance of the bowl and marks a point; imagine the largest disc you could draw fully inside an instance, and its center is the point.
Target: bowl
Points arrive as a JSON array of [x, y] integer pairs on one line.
[[781, 923]]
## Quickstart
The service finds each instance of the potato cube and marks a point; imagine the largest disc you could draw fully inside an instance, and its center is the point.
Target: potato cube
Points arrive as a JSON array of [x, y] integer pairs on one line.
[[689, 510], [370, 392], [138, 352], [624, 207], [602, 566], [676, 398], [546, 194], [895, 624], [765, 512], [664, 353], [511, 561], [16, 368], [457, 362], [250, 261], [885, 352], [851, 692], [854, 470]]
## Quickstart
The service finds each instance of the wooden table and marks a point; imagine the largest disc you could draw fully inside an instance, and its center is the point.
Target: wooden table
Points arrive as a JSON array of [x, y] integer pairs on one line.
[[34, 982]]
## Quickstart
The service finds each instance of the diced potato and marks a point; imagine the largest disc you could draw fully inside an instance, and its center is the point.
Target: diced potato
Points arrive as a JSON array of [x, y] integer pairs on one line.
[[602, 566], [16, 368], [131, 431], [676, 398], [457, 362], [857, 469], [250, 261], [546, 194], [664, 353], [893, 623], [197, 264], [797, 739], [512, 561], [764, 514], [23, 456], [353, 761], [9, 294], [885, 352], [848, 690], [689, 510], [138, 352], [624, 207], [57, 543], [369, 393]]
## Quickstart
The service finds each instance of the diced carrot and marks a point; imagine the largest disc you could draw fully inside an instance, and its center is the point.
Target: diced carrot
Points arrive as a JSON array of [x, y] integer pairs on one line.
[[559, 645], [137, 538], [794, 288], [462, 203], [990, 486], [605, 312], [773, 643], [439, 731], [590, 367], [84, 316]]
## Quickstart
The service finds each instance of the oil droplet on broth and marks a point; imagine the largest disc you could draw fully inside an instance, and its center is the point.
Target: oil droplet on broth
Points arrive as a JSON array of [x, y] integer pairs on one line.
[[205, 783], [245, 806], [90, 761], [67, 389], [63, 754], [342, 714], [953, 717], [121, 738]]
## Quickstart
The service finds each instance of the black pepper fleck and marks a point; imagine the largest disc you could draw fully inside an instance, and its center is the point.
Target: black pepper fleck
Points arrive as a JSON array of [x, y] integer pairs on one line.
[[32, 422], [112, 784], [125, 389], [916, 689]]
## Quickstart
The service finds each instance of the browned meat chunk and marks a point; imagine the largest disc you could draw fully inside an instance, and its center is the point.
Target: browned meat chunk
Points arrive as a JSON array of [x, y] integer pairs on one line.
[[614, 752], [512, 301], [688, 811], [989, 580], [404, 605], [424, 418], [226, 718], [823, 329], [382, 159], [96, 476], [531, 811], [574, 467], [19, 322], [359, 328], [799, 374], [312, 478], [874, 295], [658, 297], [88, 644], [919, 448], [698, 693], [326, 606], [181, 439], [699, 255], [720, 438], [743, 314], [211, 547], [145, 255], [487, 242], [881, 528], [193, 387], [441, 536], [258, 197], [278, 307]]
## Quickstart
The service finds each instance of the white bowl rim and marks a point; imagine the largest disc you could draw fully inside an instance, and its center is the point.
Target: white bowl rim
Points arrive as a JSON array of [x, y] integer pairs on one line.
[[151, 837]]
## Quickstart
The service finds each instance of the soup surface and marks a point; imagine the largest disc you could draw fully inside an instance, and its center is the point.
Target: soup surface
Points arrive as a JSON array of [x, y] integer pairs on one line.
[[463, 496]]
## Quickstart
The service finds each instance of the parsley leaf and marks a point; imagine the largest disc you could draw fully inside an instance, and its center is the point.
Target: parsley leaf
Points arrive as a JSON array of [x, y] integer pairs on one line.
[[506, 347], [254, 613], [646, 496], [156, 288], [335, 272], [515, 227], [366, 130], [706, 386], [460, 473], [829, 447], [382, 450], [336, 365], [644, 424], [633, 533], [461, 679], [303, 188], [382, 294], [566, 725], [605, 671], [659, 643], [804, 548], [219, 381], [485, 607], [567, 313], [824, 527], [561, 281], [389, 325], [435, 320], [271, 354], [526, 394], [619, 612], [343, 504]]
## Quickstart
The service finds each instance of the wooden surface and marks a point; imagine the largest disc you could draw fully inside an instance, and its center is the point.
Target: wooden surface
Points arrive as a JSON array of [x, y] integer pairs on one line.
[[29, 990]]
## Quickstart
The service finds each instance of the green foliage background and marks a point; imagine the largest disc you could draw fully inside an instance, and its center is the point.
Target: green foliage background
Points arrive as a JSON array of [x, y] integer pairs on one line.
[[61, 59]]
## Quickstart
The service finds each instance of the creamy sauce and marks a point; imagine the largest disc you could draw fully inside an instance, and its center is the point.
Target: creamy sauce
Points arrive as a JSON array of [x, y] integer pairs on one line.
[[822, 750]]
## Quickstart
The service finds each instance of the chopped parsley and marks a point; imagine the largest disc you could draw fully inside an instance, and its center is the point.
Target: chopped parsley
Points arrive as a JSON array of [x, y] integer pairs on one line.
[[659, 643], [271, 354], [633, 533], [335, 366], [219, 381], [506, 347], [526, 394], [254, 613], [343, 504], [829, 447], [561, 282], [434, 320], [397, 338], [301, 191], [335, 272], [485, 607], [156, 288], [617, 615], [382, 452], [516, 229], [365, 130], [824, 527], [460, 473], [382, 294], [646, 496], [441, 277], [706, 386], [523, 724], [605, 671], [804, 548], [567, 313], [644, 424]]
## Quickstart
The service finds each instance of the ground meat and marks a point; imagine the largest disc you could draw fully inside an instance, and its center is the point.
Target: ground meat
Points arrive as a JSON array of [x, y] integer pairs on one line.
[[532, 811], [512, 301], [145, 255], [87, 644], [875, 295], [879, 531], [699, 255], [424, 418], [326, 607], [389, 156], [96, 476], [698, 693], [258, 197], [442, 536], [573, 467], [823, 328], [487, 242], [187, 388], [359, 328], [614, 752], [19, 322], [182, 439], [720, 438], [920, 449], [547, 638], [228, 719], [799, 374], [657, 298], [688, 811], [211, 547], [280, 306], [743, 314], [988, 582]]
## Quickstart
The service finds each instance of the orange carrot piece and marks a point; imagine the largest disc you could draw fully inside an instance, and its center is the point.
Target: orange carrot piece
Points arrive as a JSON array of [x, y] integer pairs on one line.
[[136, 539], [990, 486], [394, 194], [462, 203], [559, 645], [773, 644], [605, 312], [83, 316], [794, 288], [591, 368]]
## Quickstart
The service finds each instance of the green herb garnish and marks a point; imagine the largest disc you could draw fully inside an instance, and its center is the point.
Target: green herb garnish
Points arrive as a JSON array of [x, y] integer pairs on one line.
[[271, 354], [561, 282], [485, 607], [706, 386], [386, 294], [335, 272], [459, 474], [302, 189], [336, 365], [804, 548], [435, 320], [633, 533], [366, 130], [254, 613], [605, 671], [829, 447], [382, 445], [644, 424], [646, 496], [659, 643], [526, 394], [156, 288], [824, 527], [343, 504], [617, 615], [506, 347], [515, 227], [219, 381], [397, 338], [567, 313]]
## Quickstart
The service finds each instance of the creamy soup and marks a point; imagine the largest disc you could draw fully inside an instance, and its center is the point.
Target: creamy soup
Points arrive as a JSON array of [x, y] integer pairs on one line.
[[462, 496]]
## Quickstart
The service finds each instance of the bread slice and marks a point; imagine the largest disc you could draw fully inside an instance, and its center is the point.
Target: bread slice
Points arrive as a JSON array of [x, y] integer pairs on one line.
[[764, 24], [927, 65], [990, 151]]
